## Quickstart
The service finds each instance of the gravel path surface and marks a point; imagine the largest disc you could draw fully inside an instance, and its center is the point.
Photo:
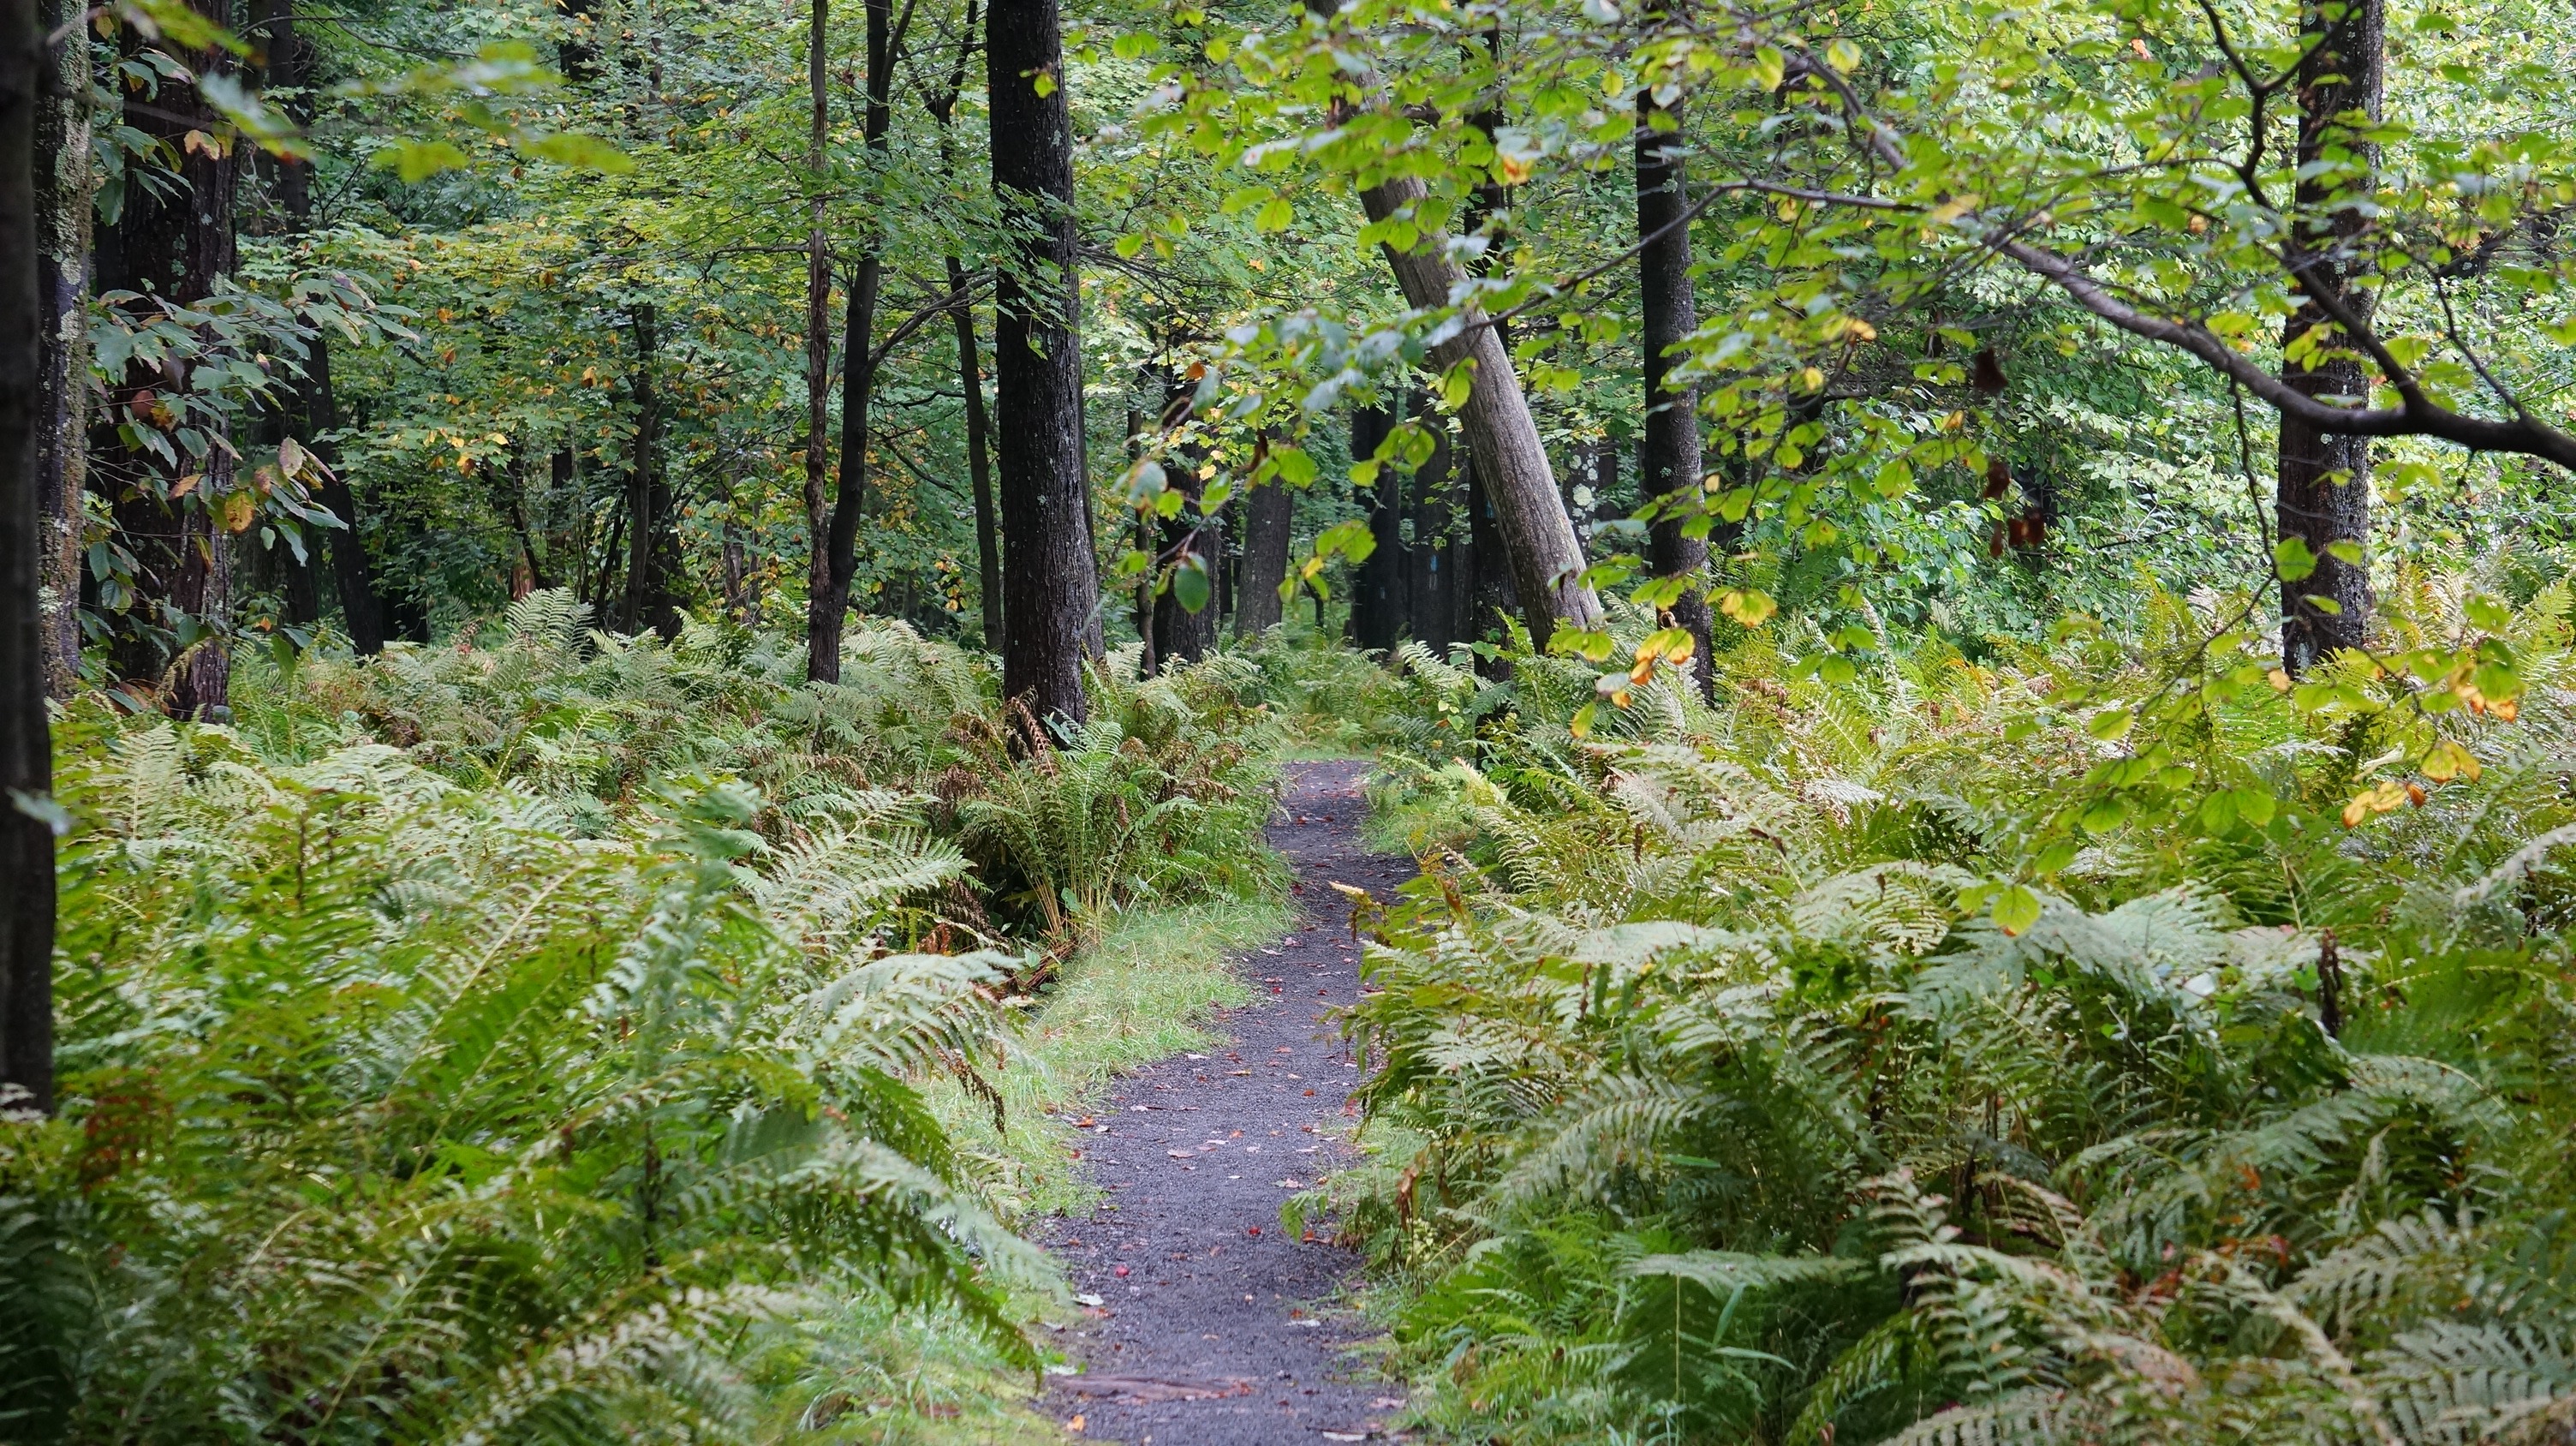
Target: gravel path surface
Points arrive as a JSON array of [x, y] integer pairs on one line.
[[1213, 1329]]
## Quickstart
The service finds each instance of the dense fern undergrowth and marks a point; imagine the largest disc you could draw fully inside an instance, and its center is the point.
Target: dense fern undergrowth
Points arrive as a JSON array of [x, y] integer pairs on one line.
[[550, 1036], [1711, 1110]]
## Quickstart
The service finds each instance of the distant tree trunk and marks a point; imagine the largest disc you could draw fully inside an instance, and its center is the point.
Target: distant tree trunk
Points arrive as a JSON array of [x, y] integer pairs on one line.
[[26, 749], [979, 465], [1267, 514], [1189, 540], [652, 542], [818, 360], [1377, 593], [173, 246], [840, 564], [1053, 585], [1431, 572], [65, 186], [1669, 458], [2323, 493]]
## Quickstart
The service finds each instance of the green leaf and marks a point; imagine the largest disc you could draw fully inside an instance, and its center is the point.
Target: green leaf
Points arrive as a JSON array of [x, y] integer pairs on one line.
[[2292, 559], [580, 152], [1190, 582], [415, 161], [2016, 909]]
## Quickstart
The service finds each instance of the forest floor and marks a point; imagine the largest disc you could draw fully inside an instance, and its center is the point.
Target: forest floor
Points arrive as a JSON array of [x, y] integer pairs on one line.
[[1205, 1325]]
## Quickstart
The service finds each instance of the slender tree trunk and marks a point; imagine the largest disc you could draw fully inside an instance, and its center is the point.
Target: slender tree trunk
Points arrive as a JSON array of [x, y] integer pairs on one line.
[[26, 749], [1431, 572], [1189, 540], [1053, 587], [822, 653], [1670, 455], [1267, 515], [1377, 594], [831, 606], [2323, 494], [66, 184], [652, 542], [979, 463]]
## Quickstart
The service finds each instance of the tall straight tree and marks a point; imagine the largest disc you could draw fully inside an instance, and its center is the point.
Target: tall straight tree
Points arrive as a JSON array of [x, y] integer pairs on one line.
[[1378, 593], [818, 339], [1193, 544], [1267, 515], [171, 246], [312, 411], [970, 361], [652, 541], [66, 186], [1670, 454], [1053, 585], [2323, 490], [838, 561], [26, 751]]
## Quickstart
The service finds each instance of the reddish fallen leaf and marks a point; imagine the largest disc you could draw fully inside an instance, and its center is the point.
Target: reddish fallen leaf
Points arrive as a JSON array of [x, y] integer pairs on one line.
[[1086, 1122], [1310, 1094], [1255, 1230], [1120, 1272]]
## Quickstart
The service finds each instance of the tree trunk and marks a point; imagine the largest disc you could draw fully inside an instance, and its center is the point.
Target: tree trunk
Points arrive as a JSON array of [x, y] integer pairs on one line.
[[830, 604], [1191, 541], [1053, 585], [2323, 494], [1431, 572], [652, 561], [172, 246], [1267, 514], [65, 185], [1377, 593], [1546, 560], [26, 750], [1669, 458], [979, 464]]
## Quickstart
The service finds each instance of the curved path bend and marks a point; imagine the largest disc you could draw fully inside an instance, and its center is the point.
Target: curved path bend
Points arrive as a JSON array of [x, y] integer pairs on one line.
[[1210, 1328]]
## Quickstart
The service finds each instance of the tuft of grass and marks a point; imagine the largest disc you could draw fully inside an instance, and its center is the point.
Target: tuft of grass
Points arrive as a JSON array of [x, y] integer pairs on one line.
[[1144, 992]]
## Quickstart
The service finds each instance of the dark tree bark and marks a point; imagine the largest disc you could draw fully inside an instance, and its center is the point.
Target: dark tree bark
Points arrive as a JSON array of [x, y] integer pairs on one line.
[[652, 542], [1189, 540], [1267, 514], [65, 186], [831, 606], [1377, 593], [173, 246], [818, 357], [1669, 457], [1431, 568], [1053, 588], [26, 750], [979, 463], [2323, 494]]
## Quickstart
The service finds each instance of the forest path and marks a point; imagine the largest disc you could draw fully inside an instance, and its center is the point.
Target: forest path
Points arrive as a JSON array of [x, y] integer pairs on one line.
[[1207, 1331]]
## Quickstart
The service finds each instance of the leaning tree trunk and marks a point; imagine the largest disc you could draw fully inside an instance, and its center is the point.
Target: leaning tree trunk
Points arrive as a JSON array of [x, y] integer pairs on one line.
[[1053, 587], [1546, 559], [2323, 494], [26, 752], [1670, 456], [65, 186], [1267, 514]]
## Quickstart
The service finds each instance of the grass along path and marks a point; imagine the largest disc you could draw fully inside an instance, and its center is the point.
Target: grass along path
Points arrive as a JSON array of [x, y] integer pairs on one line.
[[1206, 1327]]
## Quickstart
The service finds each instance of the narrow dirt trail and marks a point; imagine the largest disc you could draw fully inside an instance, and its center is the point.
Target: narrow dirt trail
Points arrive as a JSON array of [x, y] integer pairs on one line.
[[1207, 1331]]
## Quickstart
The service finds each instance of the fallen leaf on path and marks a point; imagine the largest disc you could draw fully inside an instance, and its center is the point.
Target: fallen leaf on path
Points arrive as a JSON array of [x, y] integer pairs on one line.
[[1074, 1428]]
